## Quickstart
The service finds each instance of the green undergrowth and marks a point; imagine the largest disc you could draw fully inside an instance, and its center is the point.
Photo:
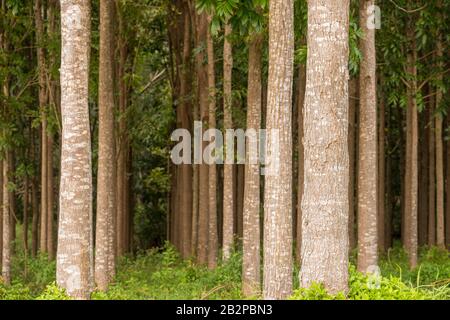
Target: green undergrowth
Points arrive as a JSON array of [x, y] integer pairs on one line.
[[162, 274]]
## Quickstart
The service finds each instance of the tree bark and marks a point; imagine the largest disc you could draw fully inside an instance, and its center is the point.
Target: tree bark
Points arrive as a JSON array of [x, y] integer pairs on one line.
[[6, 252], [42, 108], [202, 85], [325, 199], [353, 93], [440, 215], [278, 264], [228, 214], [367, 158], [381, 201], [412, 153], [75, 248], [251, 244], [212, 217], [106, 176]]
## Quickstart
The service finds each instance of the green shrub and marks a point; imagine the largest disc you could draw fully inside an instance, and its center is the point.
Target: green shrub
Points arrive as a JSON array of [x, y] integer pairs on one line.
[[53, 292]]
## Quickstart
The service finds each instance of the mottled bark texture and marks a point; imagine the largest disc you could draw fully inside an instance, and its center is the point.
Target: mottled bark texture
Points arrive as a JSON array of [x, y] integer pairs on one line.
[[301, 172], [213, 241], [325, 199], [381, 176], [411, 187], [106, 177], [353, 102], [43, 98], [251, 243], [74, 258], [278, 259], [367, 151], [440, 219], [203, 196], [228, 213], [6, 252]]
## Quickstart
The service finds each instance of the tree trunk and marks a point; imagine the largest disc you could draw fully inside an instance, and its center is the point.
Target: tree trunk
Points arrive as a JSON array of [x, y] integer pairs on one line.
[[367, 157], [212, 217], [42, 106], [251, 243], [353, 93], [203, 196], [6, 252], [423, 178], [301, 172], [440, 227], [431, 177], [74, 259], [106, 176], [412, 154], [278, 262], [228, 214], [186, 169], [381, 176], [325, 199]]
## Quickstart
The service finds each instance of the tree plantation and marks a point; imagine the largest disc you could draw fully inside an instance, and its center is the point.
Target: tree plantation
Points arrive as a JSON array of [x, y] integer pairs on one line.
[[224, 149]]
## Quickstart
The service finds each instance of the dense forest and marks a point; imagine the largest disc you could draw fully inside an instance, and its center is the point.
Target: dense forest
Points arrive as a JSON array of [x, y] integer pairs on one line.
[[224, 149]]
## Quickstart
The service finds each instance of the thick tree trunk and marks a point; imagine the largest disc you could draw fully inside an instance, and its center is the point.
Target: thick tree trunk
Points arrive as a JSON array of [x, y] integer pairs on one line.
[[228, 214], [106, 176], [74, 259], [251, 243], [278, 262], [325, 199]]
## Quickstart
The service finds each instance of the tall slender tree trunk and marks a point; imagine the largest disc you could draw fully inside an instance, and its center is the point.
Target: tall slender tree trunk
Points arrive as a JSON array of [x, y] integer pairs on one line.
[[301, 172], [52, 98], [1, 208], [381, 206], [42, 106], [75, 248], [325, 199], [431, 176], [6, 252], [423, 179], [353, 92], [213, 240], [440, 215], [367, 158], [106, 177], [184, 115], [412, 153], [278, 262], [25, 199], [447, 191], [228, 214], [389, 186], [251, 243], [122, 142], [203, 195]]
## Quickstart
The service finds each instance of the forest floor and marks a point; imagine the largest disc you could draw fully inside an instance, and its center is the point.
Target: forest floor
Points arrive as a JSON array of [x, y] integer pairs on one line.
[[161, 274]]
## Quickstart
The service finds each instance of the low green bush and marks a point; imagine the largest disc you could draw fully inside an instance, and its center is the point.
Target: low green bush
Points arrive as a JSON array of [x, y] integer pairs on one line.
[[162, 274]]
